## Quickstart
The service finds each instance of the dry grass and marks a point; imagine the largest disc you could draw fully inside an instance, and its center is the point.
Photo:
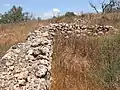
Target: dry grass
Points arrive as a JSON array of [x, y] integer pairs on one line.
[[86, 63], [13, 33], [91, 18], [71, 65]]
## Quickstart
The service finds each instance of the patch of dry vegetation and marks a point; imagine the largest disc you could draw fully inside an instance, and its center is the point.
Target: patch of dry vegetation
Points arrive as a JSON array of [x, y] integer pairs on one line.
[[14, 33], [92, 19], [86, 63]]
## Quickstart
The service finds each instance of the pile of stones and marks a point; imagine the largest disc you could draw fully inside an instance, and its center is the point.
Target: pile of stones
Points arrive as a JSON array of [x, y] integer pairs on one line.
[[27, 66], [82, 30]]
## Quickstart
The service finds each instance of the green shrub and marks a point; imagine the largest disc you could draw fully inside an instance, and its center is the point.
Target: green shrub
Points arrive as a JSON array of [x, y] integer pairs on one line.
[[70, 14], [107, 68], [15, 14]]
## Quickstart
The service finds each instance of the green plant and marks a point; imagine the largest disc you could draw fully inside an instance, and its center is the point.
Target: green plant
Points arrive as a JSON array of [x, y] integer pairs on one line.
[[15, 14], [70, 14], [108, 69]]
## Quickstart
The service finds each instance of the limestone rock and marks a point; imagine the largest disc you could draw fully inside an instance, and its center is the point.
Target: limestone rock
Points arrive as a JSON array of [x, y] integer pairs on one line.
[[21, 82], [41, 71]]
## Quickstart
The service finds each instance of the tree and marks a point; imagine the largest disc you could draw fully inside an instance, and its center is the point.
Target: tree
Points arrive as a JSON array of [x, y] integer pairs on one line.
[[54, 17], [70, 14], [93, 6], [15, 14], [39, 18], [26, 16], [111, 6]]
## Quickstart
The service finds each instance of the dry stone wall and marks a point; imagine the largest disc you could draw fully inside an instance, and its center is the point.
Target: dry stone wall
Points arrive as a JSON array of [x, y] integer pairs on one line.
[[27, 66]]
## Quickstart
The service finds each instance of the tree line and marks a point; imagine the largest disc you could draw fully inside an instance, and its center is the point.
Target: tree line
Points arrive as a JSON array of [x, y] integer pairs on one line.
[[15, 14]]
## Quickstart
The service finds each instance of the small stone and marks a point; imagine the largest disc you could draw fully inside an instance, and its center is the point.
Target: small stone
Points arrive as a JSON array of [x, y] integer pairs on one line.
[[53, 34], [95, 34], [30, 51], [17, 51], [63, 32], [2, 76], [44, 62], [42, 57], [9, 63], [69, 32], [44, 50], [67, 37], [45, 34], [77, 31], [41, 71], [29, 57], [78, 35], [100, 33], [11, 68], [21, 82], [21, 75]]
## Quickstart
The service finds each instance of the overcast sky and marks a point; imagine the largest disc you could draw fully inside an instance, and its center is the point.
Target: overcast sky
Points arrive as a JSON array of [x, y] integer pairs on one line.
[[44, 8]]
